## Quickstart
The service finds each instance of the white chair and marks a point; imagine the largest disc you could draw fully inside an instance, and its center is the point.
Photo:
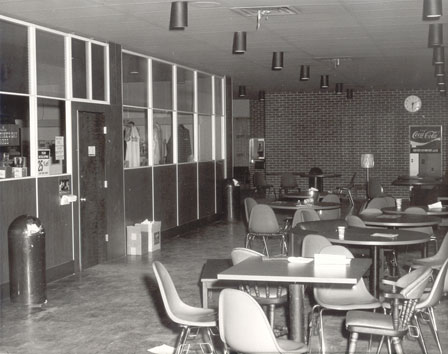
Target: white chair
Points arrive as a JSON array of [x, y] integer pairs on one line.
[[249, 203], [435, 261], [354, 221], [313, 244], [186, 316], [426, 229], [303, 215], [371, 211], [333, 213], [243, 327]]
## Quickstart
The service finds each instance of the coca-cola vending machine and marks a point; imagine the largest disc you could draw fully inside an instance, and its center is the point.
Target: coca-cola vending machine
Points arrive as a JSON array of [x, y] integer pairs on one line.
[[425, 154]]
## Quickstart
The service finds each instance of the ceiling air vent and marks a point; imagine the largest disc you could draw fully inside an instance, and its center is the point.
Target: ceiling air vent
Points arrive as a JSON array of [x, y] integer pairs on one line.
[[266, 10]]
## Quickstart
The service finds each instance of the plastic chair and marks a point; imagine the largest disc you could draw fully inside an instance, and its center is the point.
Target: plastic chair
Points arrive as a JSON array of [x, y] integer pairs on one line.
[[320, 181], [184, 315], [313, 244], [371, 211], [261, 185], [341, 298], [378, 203], [374, 188], [348, 189], [436, 260], [354, 221], [287, 182], [264, 293], [249, 203], [243, 327], [333, 213], [263, 223], [427, 229], [303, 215], [395, 325]]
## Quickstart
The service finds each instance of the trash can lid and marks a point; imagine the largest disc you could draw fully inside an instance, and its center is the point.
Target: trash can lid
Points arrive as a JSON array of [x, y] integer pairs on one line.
[[25, 225]]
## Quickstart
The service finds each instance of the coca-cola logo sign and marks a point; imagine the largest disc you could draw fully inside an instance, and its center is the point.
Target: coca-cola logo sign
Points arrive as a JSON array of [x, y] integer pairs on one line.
[[425, 139]]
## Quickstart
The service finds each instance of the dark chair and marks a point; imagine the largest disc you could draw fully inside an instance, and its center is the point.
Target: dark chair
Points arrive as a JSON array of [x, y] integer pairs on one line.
[[261, 185], [374, 188], [287, 183], [348, 189], [320, 180]]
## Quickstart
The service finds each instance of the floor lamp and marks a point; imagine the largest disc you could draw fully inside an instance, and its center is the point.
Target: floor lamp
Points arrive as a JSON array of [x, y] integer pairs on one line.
[[367, 162]]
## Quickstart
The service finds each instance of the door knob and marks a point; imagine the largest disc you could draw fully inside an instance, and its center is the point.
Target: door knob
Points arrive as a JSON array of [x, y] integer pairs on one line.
[[83, 199]]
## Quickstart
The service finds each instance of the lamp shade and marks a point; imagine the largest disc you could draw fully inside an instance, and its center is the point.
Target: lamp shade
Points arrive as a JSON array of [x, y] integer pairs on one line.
[[350, 94], [339, 88], [277, 60], [432, 9], [242, 91], [435, 35], [440, 81], [261, 95], [438, 56], [367, 161], [324, 81], [179, 15], [439, 70], [304, 72], [239, 42]]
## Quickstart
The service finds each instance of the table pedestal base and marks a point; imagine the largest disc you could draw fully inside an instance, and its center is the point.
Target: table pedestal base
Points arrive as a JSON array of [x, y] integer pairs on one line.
[[296, 313]]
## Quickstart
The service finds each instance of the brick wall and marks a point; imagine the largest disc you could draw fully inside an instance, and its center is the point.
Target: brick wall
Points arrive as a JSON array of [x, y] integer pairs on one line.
[[303, 130]]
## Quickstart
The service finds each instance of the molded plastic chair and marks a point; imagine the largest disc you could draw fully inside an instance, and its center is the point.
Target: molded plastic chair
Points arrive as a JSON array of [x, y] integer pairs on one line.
[[243, 327], [341, 298], [305, 214], [378, 203], [264, 293], [184, 315], [390, 201], [348, 189], [374, 188], [371, 211], [426, 229], [287, 182], [333, 213], [395, 325], [354, 221], [263, 223], [261, 185], [313, 244], [436, 260], [249, 203]]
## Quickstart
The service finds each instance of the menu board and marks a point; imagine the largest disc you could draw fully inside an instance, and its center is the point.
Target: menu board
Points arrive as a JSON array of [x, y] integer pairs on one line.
[[425, 138], [9, 135]]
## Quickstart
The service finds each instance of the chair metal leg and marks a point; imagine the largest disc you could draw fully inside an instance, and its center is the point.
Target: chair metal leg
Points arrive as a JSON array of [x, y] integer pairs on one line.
[[434, 328], [380, 345], [420, 337], [182, 339], [265, 251], [321, 331]]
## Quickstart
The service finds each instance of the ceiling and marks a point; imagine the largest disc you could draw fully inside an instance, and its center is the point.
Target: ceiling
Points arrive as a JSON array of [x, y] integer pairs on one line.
[[381, 44]]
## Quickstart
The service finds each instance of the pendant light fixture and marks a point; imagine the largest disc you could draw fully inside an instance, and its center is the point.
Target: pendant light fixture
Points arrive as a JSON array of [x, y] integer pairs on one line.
[[438, 56], [441, 81], [179, 15], [304, 72], [242, 91], [339, 88], [277, 61], [350, 94], [432, 9], [435, 36], [324, 81], [261, 95], [239, 42], [439, 70]]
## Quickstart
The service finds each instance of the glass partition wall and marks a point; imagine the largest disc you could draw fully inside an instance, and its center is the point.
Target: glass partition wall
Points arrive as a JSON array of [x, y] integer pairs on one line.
[[41, 72], [184, 111]]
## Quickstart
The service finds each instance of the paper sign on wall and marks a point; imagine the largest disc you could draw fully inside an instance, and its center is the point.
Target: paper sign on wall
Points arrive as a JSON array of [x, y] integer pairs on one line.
[[43, 162], [59, 150], [91, 150]]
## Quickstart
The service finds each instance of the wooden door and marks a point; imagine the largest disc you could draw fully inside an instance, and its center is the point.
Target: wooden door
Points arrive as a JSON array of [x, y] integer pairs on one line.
[[91, 140]]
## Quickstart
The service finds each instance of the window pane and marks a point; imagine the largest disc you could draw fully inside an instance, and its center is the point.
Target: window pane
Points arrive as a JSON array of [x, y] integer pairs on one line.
[[218, 139], [185, 90], [185, 138], [135, 80], [13, 57], [162, 137], [204, 93], [79, 68], [52, 157], [50, 64], [135, 132], [162, 85], [98, 73], [205, 138], [14, 136], [218, 95]]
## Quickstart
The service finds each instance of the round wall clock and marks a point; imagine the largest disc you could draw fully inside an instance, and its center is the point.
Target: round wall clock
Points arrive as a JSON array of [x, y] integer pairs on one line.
[[412, 103]]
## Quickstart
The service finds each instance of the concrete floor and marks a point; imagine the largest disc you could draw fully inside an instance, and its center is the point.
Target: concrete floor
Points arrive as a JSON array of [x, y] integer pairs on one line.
[[116, 307]]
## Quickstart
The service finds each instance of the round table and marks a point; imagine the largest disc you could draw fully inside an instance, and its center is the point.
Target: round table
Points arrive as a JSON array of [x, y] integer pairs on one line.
[[301, 195], [358, 236], [396, 221], [443, 211], [287, 205], [320, 175]]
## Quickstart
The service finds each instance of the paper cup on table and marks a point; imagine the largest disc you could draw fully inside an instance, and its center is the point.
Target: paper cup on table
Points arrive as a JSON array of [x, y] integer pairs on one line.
[[399, 201], [341, 231]]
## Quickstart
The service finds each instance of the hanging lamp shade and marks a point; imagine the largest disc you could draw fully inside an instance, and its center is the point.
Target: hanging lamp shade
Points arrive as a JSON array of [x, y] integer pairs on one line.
[[439, 70], [339, 88], [324, 81], [304, 72], [442, 91], [261, 95], [435, 35], [440, 81], [432, 9], [277, 60], [438, 56], [350, 94], [239, 42], [179, 15], [242, 91]]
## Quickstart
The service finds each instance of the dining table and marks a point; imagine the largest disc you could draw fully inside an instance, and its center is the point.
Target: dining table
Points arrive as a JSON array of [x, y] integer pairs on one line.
[[280, 270], [396, 221], [315, 176], [301, 195], [435, 211], [374, 238], [291, 205]]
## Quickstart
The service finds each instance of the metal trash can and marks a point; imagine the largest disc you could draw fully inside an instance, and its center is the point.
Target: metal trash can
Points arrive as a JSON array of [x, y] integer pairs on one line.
[[26, 250], [231, 199]]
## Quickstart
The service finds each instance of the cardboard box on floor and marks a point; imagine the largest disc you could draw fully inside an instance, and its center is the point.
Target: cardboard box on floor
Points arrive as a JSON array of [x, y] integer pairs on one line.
[[143, 238]]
